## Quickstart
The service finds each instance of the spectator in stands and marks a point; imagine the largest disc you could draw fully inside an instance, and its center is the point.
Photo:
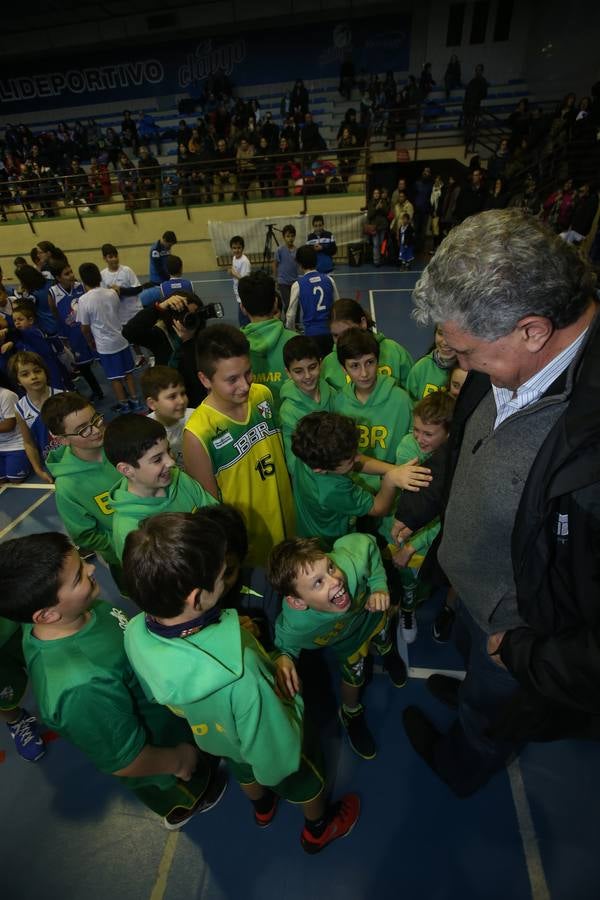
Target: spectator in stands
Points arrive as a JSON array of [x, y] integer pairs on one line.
[[452, 75], [224, 172], [298, 101], [398, 118], [269, 129], [99, 179], [400, 207], [558, 207], [148, 131], [79, 138], [246, 167], [390, 89], [93, 136], [149, 177], [497, 196], [285, 167], [311, 141], [567, 113], [129, 134], [422, 204], [426, 82], [376, 227], [519, 123], [475, 93], [112, 147], [471, 198], [497, 163], [355, 128], [184, 133], [76, 185], [291, 133], [401, 188], [265, 169], [435, 202], [195, 142], [127, 177], [528, 199], [582, 215], [347, 154], [519, 163]]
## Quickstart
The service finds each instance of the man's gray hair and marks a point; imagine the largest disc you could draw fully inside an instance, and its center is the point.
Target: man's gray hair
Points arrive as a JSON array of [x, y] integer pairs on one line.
[[497, 267]]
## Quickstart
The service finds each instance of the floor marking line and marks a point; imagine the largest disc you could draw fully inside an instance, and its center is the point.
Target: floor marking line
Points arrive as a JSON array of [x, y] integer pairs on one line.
[[164, 867], [31, 487], [24, 515], [531, 848], [392, 290], [422, 672], [372, 308], [227, 280]]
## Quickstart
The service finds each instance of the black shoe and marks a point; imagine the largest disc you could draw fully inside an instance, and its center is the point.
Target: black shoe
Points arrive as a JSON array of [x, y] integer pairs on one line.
[[395, 666], [442, 626], [421, 733], [217, 786], [444, 689], [359, 736]]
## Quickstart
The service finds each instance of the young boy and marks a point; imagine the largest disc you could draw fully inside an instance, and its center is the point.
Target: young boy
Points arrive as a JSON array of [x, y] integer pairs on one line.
[[151, 483], [164, 392], [28, 337], [84, 685], [159, 251], [328, 500], [232, 444], [324, 243], [266, 335], [116, 275], [82, 474], [240, 267], [98, 314], [316, 294], [432, 417], [285, 270], [191, 654], [14, 464], [338, 600], [304, 391], [382, 411], [174, 284]]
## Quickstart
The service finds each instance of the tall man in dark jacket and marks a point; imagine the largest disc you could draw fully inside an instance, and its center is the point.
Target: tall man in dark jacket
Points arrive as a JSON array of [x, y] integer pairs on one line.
[[520, 540]]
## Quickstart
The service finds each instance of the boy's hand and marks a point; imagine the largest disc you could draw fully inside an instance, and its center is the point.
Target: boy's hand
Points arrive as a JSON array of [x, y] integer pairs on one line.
[[173, 302], [6, 347], [410, 476], [187, 760], [288, 681], [379, 601], [250, 625], [401, 557], [400, 531]]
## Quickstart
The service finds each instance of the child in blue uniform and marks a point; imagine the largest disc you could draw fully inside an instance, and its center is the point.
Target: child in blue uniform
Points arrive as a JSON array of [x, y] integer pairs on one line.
[[324, 243], [316, 294], [30, 372]]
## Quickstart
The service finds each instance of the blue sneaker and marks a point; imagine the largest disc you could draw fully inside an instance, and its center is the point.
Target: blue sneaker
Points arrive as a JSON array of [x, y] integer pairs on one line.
[[26, 736], [136, 405]]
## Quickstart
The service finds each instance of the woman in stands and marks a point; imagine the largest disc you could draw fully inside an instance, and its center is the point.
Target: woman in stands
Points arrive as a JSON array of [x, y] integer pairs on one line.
[[128, 180]]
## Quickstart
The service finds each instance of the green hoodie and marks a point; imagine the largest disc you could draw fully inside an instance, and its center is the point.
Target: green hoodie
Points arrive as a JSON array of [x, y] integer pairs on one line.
[[82, 500], [359, 559], [426, 377], [295, 404], [267, 339], [184, 494], [382, 421], [394, 360], [422, 539], [327, 504], [223, 682]]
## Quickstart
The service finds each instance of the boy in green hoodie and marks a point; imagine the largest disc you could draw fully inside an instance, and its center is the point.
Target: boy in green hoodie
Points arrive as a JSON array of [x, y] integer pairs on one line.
[[266, 333], [431, 372], [382, 410], [152, 483], [193, 656], [328, 499], [82, 474], [85, 687], [304, 391], [338, 600]]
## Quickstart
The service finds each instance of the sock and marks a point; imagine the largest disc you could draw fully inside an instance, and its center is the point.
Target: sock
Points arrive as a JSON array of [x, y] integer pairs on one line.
[[264, 803], [316, 826]]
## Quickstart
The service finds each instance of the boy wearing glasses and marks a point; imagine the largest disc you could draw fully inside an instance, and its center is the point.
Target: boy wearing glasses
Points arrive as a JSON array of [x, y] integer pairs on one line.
[[83, 475]]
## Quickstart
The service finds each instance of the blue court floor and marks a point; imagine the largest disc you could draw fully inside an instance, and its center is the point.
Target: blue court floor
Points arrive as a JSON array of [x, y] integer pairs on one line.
[[70, 832]]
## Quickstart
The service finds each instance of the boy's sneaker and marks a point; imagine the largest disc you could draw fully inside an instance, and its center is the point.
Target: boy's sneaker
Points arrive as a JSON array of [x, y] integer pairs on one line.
[[265, 819], [395, 666], [120, 407], [359, 736], [342, 817], [408, 625], [26, 736], [136, 405], [178, 817], [442, 626]]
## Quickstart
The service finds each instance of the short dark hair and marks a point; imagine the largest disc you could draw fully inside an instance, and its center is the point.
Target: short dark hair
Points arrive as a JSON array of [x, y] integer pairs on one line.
[[90, 275], [174, 264], [129, 436], [317, 218], [258, 293], [27, 307], [59, 406], [347, 310], [31, 278], [159, 378], [288, 229], [300, 347], [19, 262], [109, 250], [27, 357], [356, 342], [169, 237], [324, 440], [306, 256], [436, 408], [231, 521], [219, 342], [30, 569], [170, 555], [289, 558], [237, 239]]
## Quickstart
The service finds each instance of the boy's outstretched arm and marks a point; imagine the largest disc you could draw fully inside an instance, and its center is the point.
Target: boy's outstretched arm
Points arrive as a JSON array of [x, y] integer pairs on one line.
[[288, 680], [180, 761], [196, 463]]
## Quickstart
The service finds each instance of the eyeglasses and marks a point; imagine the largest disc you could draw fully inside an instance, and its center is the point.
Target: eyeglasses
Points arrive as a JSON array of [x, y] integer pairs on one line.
[[85, 431]]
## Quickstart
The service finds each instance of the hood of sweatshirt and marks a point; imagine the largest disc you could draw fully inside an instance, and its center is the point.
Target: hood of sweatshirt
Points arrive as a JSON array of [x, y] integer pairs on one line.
[[290, 391], [379, 395], [62, 461], [142, 507], [264, 336], [181, 671]]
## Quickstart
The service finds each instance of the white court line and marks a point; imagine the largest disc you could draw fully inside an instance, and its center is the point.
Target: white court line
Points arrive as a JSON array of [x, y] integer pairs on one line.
[[391, 290], [422, 672], [533, 859], [164, 867], [226, 279], [31, 487], [372, 309], [24, 515]]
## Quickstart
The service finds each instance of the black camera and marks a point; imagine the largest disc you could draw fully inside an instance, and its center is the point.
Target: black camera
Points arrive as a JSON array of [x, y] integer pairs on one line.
[[198, 319]]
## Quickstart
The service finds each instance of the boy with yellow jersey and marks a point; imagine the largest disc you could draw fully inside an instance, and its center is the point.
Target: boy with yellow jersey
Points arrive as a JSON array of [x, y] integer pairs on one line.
[[232, 443]]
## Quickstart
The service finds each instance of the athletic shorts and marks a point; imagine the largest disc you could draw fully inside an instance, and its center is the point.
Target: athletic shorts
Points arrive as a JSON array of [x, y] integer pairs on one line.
[[117, 365], [14, 465], [352, 668]]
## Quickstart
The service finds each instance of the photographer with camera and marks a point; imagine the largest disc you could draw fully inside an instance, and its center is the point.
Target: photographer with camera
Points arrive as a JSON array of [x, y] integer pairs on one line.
[[168, 329]]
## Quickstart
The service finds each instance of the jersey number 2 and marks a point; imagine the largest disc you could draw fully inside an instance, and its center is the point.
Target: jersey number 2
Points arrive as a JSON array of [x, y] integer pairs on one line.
[[318, 291]]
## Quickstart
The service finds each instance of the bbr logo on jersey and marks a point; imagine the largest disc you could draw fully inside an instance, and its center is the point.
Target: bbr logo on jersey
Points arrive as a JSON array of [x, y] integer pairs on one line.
[[372, 436]]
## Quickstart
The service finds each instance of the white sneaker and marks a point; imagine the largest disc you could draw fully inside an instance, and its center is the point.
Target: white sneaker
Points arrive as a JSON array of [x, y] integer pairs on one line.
[[408, 626]]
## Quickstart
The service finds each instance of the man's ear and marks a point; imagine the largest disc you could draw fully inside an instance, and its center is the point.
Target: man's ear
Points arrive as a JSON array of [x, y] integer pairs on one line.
[[295, 602], [536, 331], [151, 403], [49, 615], [204, 381]]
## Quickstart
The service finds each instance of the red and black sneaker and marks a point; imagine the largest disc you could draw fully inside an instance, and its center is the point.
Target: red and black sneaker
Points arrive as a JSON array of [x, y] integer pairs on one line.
[[263, 819], [341, 819]]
